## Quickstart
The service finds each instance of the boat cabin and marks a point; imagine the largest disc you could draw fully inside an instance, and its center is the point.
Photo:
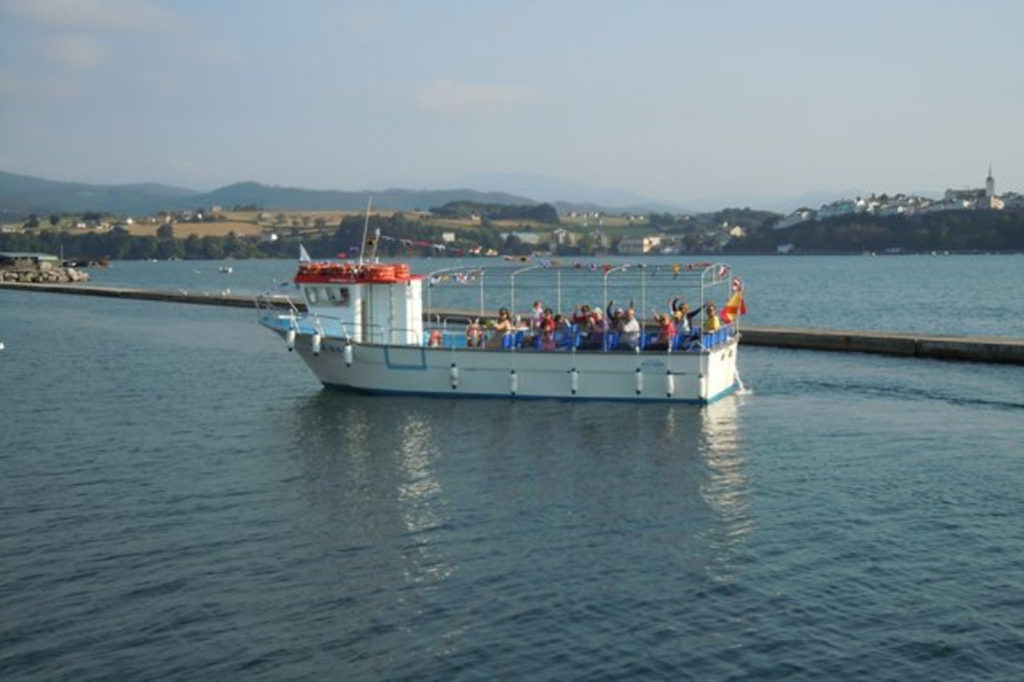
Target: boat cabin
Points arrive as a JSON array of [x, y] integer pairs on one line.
[[375, 303]]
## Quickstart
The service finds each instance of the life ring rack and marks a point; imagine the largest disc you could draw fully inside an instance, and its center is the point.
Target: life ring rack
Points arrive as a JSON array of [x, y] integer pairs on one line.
[[385, 273]]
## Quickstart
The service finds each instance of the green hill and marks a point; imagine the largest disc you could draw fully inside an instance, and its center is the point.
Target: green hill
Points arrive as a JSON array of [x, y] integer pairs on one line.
[[21, 195]]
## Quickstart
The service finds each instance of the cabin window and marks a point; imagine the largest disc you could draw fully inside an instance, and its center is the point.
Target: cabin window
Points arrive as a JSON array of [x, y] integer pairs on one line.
[[316, 295], [338, 295]]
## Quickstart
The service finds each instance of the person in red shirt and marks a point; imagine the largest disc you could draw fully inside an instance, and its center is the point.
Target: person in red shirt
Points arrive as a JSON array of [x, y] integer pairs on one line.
[[666, 331]]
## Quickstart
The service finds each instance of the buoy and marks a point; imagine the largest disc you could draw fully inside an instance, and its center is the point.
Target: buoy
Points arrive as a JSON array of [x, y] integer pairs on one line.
[[639, 381], [513, 382], [317, 340], [289, 340], [670, 383], [574, 380], [347, 354], [454, 374]]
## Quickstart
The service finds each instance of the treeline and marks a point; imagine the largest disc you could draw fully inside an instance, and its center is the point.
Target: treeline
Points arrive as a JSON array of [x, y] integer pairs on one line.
[[955, 231], [398, 236], [540, 213], [747, 218], [119, 244]]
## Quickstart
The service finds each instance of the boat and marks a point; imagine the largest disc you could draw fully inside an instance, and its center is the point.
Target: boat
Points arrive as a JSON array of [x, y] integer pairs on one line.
[[378, 328], [226, 269]]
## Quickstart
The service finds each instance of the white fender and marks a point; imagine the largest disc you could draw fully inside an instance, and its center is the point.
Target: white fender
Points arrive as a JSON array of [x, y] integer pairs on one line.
[[639, 381], [289, 340], [454, 373], [316, 342], [670, 383], [347, 354], [703, 387], [574, 380], [513, 382]]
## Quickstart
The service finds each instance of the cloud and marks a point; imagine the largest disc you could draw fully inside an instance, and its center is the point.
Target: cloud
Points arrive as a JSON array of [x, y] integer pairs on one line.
[[467, 99], [78, 51], [96, 14]]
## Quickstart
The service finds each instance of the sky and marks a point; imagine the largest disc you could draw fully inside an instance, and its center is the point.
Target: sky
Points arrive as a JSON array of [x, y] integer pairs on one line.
[[675, 101]]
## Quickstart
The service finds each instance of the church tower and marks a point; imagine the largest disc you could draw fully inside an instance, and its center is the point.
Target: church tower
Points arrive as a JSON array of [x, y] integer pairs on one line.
[[990, 184]]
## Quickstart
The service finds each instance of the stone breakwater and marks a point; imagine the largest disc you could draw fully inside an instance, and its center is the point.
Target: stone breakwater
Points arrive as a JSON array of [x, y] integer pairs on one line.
[[52, 275]]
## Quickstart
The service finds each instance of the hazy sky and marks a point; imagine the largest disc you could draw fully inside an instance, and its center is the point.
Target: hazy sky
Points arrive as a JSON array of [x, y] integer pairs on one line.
[[675, 101]]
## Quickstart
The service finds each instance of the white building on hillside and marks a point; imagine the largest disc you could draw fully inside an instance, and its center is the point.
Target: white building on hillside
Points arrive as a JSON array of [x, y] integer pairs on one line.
[[795, 218], [980, 198], [639, 245]]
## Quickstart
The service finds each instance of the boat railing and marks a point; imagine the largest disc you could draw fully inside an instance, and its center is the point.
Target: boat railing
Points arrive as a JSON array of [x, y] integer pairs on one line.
[[272, 302], [451, 332]]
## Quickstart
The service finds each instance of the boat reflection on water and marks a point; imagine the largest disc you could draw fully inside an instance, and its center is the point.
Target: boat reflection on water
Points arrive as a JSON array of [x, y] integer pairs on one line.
[[404, 485], [422, 501], [725, 488], [369, 469]]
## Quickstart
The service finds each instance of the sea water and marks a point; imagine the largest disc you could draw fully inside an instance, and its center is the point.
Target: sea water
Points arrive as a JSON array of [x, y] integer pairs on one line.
[[180, 500]]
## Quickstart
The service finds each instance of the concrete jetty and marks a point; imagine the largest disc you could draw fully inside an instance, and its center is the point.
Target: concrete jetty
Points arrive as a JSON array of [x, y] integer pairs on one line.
[[201, 298], [969, 348], [973, 348]]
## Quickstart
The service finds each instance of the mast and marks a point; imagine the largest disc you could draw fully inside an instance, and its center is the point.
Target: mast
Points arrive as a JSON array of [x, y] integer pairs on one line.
[[366, 226]]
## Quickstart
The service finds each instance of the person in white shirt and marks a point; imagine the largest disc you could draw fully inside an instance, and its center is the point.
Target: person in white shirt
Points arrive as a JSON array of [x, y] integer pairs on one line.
[[629, 330]]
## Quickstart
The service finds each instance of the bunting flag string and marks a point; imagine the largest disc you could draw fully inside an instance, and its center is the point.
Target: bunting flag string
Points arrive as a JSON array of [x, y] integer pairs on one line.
[[675, 270], [434, 246]]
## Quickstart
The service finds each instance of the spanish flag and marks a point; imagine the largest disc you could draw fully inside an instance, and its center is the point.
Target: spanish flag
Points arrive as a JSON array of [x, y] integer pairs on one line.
[[734, 308]]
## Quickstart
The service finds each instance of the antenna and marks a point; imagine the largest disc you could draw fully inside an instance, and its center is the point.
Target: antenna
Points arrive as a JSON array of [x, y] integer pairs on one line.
[[366, 226], [376, 243]]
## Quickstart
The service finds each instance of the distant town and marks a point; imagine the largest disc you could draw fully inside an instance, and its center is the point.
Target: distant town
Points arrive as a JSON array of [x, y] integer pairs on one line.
[[963, 220]]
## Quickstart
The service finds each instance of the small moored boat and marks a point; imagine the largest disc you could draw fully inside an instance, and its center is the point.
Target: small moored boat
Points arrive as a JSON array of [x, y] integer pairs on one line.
[[379, 328]]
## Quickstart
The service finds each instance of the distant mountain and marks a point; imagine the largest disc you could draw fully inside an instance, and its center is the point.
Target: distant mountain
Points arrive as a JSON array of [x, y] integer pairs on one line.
[[290, 198], [22, 194], [25, 194], [565, 194]]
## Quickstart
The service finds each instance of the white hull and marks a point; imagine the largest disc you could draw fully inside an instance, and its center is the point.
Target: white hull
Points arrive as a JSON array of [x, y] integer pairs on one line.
[[694, 377]]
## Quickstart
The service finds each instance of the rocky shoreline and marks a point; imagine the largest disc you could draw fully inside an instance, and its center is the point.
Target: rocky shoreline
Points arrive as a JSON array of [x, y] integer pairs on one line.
[[50, 275]]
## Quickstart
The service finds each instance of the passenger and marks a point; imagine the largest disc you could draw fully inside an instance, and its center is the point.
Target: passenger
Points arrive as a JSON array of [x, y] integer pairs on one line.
[[546, 328], [629, 330], [581, 316], [666, 332], [474, 334], [597, 327], [502, 328], [711, 322], [536, 315], [616, 316], [682, 315]]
